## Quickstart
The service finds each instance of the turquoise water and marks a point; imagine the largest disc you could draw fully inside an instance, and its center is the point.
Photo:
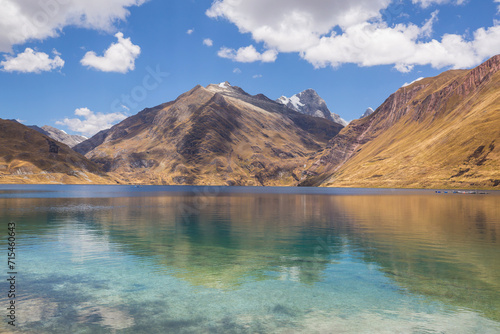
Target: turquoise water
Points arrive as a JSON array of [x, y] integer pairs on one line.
[[101, 259]]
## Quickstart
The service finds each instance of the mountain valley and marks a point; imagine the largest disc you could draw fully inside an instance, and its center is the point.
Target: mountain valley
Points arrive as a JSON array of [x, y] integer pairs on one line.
[[440, 132]]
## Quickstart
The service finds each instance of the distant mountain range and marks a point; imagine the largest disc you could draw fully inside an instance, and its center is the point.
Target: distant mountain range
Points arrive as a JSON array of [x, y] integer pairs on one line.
[[440, 132], [59, 135]]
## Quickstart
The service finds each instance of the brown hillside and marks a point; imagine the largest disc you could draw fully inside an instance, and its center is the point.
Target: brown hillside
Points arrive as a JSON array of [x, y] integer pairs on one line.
[[218, 135], [27, 156], [438, 132]]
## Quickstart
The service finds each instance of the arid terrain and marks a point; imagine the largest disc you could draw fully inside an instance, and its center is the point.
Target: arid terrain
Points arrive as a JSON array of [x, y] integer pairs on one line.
[[441, 132]]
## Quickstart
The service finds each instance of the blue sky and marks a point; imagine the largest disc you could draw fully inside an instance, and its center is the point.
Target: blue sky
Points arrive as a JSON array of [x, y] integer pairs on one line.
[[83, 65]]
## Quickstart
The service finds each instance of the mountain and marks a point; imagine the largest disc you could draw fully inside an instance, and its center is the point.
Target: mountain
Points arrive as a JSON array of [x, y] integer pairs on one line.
[[27, 156], [368, 112], [310, 103], [436, 132], [217, 135], [59, 135]]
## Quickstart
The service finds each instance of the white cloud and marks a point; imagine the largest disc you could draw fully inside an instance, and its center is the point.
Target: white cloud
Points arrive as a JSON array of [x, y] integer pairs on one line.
[[190, 31], [119, 57], [498, 6], [208, 42], [237, 71], [91, 122], [335, 32], [248, 55], [31, 61], [257, 76], [427, 3], [25, 20], [294, 25]]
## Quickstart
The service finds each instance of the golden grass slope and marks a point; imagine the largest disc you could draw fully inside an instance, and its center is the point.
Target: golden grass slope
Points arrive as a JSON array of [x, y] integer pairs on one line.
[[441, 132], [27, 156]]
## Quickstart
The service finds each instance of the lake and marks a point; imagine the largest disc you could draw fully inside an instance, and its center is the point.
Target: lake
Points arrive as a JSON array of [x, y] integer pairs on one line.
[[124, 259]]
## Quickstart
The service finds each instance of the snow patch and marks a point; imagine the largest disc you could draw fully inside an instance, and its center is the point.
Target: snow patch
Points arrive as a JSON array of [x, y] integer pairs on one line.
[[411, 83], [284, 100], [224, 85], [295, 100]]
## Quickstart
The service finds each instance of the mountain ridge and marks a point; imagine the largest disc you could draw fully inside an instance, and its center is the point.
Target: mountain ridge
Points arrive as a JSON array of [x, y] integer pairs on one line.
[[217, 134], [28, 156], [440, 132], [59, 135], [411, 139]]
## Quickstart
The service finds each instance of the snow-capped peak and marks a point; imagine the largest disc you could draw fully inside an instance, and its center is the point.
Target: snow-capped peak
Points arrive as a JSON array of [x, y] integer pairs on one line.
[[310, 103], [224, 84], [368, 112]]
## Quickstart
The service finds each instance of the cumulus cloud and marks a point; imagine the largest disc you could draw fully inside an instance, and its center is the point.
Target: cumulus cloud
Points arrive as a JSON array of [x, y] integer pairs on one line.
[[236, 70], [335, 32], [119, 57], [31, 61], [248, 55], [190, 31], [89, 123], [208, 42], [25, 20], [292, 25]]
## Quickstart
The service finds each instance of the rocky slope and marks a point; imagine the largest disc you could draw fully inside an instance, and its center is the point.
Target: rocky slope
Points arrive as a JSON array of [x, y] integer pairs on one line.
[[27, 156], [310, 103], [437, 132], [217, 135]]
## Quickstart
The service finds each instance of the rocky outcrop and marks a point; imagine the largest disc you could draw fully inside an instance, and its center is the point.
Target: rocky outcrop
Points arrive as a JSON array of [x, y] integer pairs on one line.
[[310, 103]]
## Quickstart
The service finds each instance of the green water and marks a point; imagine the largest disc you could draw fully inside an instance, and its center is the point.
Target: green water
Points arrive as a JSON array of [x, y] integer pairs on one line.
[[232, 260]]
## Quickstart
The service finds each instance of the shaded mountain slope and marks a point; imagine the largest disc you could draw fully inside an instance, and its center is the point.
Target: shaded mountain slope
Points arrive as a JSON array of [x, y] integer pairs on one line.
[[214, 135], [27, 156], [437, 132]]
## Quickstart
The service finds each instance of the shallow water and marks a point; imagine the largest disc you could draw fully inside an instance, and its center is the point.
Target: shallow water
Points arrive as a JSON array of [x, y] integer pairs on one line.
[[251, 260]]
